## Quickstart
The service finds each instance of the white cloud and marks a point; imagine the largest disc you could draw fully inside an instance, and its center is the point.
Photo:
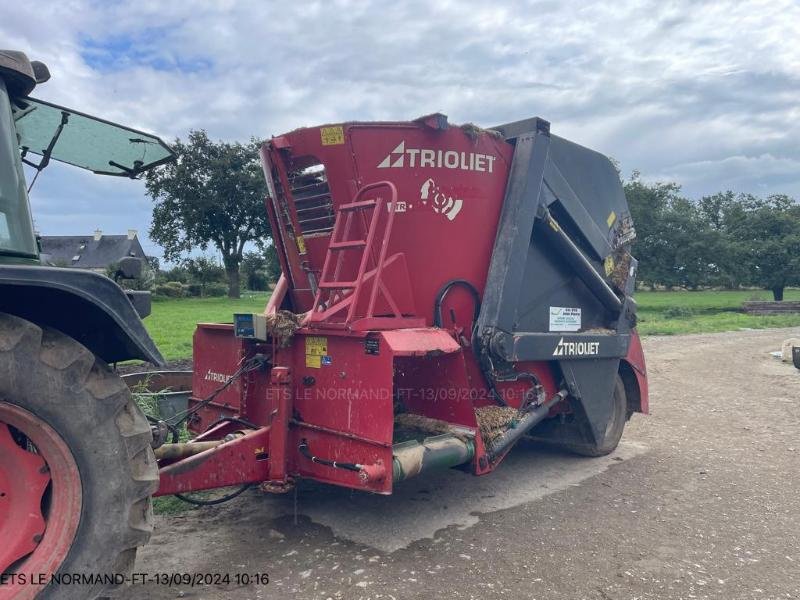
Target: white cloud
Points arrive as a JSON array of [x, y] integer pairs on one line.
[[705, 93]]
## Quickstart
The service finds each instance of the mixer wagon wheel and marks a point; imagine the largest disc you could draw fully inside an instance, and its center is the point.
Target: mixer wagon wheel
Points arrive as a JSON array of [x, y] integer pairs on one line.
[[76, 468], [574, 435]]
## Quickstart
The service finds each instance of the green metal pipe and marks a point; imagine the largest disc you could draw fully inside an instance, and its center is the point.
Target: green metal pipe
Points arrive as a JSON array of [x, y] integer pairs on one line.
[[440, 452]]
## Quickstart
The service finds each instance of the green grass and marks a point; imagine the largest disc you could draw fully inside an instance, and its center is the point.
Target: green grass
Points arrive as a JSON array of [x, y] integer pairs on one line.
[[173, 320], [669, 313]]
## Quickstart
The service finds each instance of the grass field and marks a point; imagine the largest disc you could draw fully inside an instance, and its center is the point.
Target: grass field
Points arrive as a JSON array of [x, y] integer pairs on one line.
[[172, 322], [667, 313]]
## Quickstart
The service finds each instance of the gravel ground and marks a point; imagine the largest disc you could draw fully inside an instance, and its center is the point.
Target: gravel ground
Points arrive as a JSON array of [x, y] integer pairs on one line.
[[702, 500]]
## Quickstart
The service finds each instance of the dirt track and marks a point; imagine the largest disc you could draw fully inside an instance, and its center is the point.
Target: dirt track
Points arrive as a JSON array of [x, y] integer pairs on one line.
[[702, 500]]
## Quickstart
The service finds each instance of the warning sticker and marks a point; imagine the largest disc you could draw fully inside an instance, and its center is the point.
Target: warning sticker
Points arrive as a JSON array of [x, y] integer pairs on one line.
[[332, 136], [313, 361], [564, 318], [316, 346], [301, 244]]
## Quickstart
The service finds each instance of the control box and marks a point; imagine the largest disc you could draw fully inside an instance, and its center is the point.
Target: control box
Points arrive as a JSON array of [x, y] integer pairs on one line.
[[251, 326]]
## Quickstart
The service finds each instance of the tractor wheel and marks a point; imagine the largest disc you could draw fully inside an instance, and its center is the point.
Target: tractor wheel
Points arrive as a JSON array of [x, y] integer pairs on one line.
[[76, 468], [574, 436]]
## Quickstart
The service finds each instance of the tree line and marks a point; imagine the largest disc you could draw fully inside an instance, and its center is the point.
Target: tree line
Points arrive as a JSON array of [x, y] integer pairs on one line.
[[723, 240], [204, 276]]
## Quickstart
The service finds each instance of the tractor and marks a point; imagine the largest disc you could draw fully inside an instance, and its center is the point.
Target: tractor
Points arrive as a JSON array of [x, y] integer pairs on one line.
[[76, 465]]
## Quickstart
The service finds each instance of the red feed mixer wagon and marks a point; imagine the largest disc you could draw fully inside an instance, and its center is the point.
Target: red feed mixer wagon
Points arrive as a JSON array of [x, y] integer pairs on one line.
[[445, 291]]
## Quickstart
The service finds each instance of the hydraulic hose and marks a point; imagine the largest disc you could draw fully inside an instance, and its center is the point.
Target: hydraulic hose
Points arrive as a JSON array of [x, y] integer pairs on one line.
[[437, 305], [305, 451], [531, 418]]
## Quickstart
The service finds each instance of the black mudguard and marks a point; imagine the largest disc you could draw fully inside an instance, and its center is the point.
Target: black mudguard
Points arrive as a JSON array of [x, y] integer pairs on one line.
[[86, 306]]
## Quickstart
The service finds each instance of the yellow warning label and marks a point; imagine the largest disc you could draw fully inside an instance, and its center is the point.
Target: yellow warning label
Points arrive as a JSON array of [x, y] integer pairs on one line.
[[611, 218], [301, 244], [313, 361], [332, 136], [609, 265], [316, 346]]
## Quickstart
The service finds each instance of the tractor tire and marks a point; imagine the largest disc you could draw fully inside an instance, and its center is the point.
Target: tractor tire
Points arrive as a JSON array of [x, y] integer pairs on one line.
[[74, 423], [575, 437]]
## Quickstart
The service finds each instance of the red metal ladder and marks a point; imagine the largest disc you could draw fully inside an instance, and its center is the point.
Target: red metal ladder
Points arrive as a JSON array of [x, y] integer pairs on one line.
[[334, 295]]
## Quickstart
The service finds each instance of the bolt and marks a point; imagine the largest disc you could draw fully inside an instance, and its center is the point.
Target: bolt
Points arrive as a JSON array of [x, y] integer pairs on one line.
[[44, 470], [37, 538]]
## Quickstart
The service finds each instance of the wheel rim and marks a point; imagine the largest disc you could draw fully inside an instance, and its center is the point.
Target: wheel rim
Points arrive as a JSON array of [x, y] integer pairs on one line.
[[40, 500]]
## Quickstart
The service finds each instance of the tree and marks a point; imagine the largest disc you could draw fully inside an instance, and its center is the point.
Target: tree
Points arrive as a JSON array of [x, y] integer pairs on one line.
[[204, 270], [260, 269], [654, 246], [154, 263], [254, 269], [273, 264], [719, 212], [765, 234], [212, 195], [690, 246]]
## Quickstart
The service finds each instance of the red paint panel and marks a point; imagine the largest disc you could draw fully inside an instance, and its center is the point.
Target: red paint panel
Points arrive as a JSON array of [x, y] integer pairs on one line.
[[351, 390], [236, 462], [449, 200], [217, 355], [635, 359], [420, 342], [333, 447], [436, 387], [450, 192]]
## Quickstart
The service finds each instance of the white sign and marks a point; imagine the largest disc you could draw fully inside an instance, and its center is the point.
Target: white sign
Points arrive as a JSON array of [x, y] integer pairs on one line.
[[564, 318]]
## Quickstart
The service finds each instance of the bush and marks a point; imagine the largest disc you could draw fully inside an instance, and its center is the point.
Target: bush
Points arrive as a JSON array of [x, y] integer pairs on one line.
[[178, 273], [171, 289], [194, 290], [678, 312], [215, 290], [257, 281]]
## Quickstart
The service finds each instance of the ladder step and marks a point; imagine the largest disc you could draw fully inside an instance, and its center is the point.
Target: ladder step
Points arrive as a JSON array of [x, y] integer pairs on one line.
[[350, 244], [337, 285], [358, 205]]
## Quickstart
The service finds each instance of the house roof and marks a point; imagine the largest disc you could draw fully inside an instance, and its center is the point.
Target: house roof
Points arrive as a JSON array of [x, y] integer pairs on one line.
[[91, 254]]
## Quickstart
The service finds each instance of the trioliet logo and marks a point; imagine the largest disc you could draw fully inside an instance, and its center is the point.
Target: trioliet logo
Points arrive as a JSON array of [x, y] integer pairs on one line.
[[442, 159], [576, 348], [218, 377]]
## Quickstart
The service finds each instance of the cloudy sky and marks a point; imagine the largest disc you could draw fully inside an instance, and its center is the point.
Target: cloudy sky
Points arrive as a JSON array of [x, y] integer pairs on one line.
[[702, 93]]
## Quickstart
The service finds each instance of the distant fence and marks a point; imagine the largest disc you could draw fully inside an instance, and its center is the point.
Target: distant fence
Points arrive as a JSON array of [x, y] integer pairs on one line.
[[763, 307]]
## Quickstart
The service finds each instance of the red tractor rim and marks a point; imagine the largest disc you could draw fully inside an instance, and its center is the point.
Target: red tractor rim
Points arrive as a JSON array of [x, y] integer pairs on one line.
[[40, 501]]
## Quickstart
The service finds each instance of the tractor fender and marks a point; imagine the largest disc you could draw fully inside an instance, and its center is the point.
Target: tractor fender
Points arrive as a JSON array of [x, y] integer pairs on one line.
[[633, 371], [87, 306]]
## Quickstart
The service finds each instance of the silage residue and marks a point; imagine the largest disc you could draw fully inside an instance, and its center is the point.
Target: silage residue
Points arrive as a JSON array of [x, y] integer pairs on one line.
[[493, 421]]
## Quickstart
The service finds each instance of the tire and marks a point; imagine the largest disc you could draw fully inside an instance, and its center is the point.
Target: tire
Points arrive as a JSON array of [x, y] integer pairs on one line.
[[614, 427], [575, 436], [61, 383]]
